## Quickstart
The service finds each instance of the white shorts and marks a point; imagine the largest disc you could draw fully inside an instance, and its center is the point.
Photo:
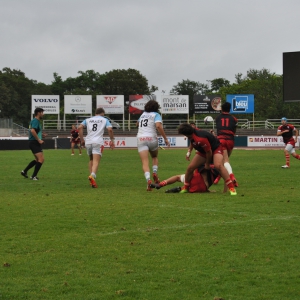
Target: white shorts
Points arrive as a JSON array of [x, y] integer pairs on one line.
[[94, 149], [290, 148], [147, 143], [182, 178]]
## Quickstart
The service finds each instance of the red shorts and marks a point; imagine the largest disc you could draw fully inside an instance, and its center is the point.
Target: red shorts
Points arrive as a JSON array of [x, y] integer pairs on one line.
[[197, 184], [75, 141], [227, 145], [219, 150]]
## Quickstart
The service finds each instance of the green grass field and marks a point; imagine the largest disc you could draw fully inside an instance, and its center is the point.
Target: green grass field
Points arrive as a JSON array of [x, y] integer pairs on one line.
[[61, 239]]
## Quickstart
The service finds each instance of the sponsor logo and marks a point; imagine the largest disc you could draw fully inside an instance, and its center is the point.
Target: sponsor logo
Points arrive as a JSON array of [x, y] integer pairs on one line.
[[46, 100], [240, 103], [78, 110], [110, 100]]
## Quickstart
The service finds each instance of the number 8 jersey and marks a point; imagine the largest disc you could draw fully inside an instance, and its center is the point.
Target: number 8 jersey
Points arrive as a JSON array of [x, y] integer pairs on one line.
[[95, 129], [147, 125]]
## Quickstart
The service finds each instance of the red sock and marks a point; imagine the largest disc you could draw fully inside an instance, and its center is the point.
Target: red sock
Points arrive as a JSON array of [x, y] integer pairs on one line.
[[297, 156], [287, 159], [163, 183], [229, 184]]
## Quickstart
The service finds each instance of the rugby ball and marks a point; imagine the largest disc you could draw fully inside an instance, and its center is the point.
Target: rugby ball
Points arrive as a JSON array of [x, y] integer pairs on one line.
[[208, 119]]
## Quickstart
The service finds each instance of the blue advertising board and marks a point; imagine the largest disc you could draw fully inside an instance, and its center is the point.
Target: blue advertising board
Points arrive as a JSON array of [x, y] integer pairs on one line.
[[241, 104]]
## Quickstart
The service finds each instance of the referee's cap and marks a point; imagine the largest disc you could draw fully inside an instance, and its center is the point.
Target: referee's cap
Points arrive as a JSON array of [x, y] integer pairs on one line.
[[284, 119]]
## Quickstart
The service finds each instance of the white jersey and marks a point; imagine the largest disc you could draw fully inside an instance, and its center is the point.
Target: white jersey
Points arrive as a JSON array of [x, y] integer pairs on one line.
[[147, 125], [95, 129]]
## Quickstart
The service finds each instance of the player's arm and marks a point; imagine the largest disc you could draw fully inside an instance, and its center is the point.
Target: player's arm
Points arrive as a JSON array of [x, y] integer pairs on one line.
[[161, 131], [111, 136], [296, 134], [208, 159], [80, 131]]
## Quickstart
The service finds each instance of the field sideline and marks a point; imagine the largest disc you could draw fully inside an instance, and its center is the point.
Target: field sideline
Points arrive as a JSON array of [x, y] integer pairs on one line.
[[61, 239]]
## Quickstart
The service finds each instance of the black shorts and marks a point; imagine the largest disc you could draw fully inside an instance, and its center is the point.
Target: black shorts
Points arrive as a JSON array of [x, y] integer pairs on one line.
[[35, 147]]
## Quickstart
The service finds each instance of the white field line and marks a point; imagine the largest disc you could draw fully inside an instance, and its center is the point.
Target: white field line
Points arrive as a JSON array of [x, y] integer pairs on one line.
[[194, 225]]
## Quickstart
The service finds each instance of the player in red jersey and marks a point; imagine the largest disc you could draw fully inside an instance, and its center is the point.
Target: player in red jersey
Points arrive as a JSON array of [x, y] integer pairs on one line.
[[75, 140], [201, 181], [286, 131], [209, 150], [226, 127]]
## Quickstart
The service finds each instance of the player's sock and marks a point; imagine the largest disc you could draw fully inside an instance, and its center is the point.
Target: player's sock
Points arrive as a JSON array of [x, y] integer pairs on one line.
[[287, 159], [297, 156], [147, 176], [94, 175], [30, 165], [154, 169], [163, 183], [38, 165], [228, 167], [229, 183]]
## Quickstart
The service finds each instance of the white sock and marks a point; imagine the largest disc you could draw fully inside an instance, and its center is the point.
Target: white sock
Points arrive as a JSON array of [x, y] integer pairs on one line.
[[154, 169], [228, 167], [147, 176], [93, 174]]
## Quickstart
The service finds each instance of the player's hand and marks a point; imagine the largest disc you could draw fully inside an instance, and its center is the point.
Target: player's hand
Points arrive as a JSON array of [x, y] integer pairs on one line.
[[112, 145], [41, 142], [167, 143], [82, 144], [187, 156]]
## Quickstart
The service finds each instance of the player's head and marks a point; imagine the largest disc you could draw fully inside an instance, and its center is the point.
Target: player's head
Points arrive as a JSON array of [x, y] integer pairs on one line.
[[38, 111], [193, 124], [283, 121], [99, 111], [226, 107], [185, 129], [151, 106]]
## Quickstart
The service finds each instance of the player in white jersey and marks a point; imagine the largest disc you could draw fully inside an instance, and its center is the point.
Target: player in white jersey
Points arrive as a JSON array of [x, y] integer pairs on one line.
[[94, 140], [147, 142]]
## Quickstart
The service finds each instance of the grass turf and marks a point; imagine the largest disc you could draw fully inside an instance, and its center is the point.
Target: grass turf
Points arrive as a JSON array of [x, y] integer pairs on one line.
[[61, 239]]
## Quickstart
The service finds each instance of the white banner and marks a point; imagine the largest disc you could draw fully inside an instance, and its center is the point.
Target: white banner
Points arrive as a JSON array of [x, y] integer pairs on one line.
[[266, 141], [112, 104], [174, 104], [78, 104], [131, 142], [49, 103]]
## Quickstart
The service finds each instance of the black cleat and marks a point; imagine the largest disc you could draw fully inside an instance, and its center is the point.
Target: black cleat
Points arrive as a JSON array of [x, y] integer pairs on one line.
[[174, 190], [155, 186], [24, 174]]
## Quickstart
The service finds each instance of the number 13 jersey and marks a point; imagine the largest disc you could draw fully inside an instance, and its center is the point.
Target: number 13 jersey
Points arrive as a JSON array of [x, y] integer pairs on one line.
[[147, 125]]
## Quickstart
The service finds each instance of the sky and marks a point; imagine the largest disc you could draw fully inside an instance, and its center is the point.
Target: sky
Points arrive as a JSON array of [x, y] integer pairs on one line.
[[167, 41]]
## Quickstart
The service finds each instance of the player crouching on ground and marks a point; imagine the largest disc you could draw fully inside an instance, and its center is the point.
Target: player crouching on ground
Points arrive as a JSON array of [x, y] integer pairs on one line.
[[201, 181], [209, 151]]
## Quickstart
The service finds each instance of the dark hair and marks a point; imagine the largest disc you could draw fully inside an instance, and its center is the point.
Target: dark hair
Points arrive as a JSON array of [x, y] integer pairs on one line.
[[185, 129], [151, 106], [99, 111], [37, 110], [226, 107], [192, 123]]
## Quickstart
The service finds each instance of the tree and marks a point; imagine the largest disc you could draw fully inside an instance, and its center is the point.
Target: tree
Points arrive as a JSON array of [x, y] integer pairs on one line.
[[217, 83], [190, 88]]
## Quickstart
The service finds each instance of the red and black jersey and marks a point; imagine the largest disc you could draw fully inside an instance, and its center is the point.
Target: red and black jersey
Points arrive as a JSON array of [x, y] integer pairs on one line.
[[226, 126], [287, 136], [74, 134], [204, 141]]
